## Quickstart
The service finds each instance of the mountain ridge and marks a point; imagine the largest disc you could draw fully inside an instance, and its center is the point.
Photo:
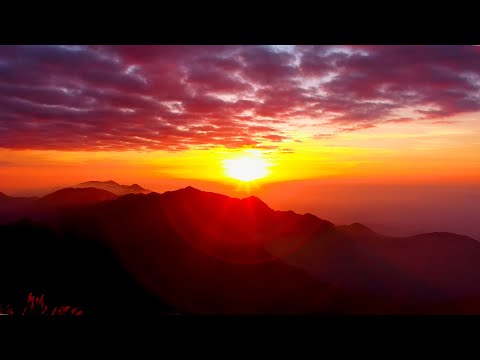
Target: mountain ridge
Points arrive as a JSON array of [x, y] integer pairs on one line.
[[114, 187], [77, 196], [205, 252], [360, 261], [357, 227]]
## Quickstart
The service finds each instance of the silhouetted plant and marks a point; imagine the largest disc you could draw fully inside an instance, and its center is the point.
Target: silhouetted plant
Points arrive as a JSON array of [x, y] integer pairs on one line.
[[36, 306], [6, 309]]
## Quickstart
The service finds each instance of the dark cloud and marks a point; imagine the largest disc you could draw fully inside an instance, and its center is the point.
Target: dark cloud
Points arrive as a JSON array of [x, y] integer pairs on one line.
[[183, 97]]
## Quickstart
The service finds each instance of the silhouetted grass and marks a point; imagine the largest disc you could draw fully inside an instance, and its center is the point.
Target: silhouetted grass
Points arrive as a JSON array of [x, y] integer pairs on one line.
[[36, 306]]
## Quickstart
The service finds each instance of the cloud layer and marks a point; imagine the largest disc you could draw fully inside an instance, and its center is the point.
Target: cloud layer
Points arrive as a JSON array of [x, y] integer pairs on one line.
[[182, 97]]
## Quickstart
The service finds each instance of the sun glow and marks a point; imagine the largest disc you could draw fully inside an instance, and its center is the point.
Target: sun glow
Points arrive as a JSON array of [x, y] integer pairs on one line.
[[246, 168]]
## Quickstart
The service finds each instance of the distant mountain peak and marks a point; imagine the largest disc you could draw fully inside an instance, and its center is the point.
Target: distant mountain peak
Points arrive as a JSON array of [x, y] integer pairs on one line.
[[255, 200], [3, 196], [189, 190], [185, 190], [357, 229], [359, 226], [114, 187], [91, 190]]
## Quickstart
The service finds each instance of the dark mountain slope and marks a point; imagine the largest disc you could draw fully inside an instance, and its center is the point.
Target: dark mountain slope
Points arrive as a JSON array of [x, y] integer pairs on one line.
[[171, 244], [51, 205], [75, 197], [69, 270], [203, 252], [13, 208]]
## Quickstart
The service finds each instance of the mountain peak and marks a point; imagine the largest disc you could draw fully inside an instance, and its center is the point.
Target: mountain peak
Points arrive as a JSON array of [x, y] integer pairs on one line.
[[136, 187], [252, 198], [255, 200], [190, 189], [357, 229], [3, 196], [109, 182], [114, 187]]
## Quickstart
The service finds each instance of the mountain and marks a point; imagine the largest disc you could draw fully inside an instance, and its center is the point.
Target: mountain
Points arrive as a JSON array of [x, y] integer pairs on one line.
[[76, 197], [145, 231], [202, 252], [12, 208], [428, 268], [169, 246], [51, 205], [5, 198], [114, 187], [69, 270]]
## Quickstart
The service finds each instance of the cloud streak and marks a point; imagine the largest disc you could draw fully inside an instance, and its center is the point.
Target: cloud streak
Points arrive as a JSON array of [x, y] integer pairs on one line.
[[187, 97]]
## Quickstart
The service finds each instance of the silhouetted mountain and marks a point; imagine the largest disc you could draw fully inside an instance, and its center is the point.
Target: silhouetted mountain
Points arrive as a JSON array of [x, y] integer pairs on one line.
[[114, 187], [51, 205], [74, 197], [4, 198], [202, 252], [13, 208], [425, 269], [357, 229]]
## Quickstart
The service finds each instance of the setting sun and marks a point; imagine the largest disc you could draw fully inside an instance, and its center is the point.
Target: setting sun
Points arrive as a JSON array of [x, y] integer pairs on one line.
[[246, 168]]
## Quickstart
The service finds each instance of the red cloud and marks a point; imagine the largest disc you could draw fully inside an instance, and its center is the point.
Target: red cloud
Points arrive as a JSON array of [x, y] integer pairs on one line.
[[180, 97]]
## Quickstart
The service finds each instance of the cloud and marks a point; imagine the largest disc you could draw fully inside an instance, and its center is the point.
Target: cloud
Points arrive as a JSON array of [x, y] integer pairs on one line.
[[322, 136], [184, 97]]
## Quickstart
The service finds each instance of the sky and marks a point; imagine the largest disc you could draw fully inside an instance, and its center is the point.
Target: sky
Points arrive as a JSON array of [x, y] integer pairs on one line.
[[341, 128]]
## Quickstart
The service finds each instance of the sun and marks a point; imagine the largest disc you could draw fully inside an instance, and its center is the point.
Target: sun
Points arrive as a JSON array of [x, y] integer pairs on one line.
[[246, 168]]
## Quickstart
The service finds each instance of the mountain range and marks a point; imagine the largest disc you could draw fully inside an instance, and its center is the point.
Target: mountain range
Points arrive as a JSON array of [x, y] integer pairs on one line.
[[192, 252], [114, 187]]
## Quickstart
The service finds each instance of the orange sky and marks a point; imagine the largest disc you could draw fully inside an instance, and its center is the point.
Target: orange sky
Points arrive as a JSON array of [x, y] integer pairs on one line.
[[394, 154]]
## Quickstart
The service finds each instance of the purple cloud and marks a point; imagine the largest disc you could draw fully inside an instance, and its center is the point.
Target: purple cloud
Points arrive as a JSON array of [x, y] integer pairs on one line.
[[183, 97]]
